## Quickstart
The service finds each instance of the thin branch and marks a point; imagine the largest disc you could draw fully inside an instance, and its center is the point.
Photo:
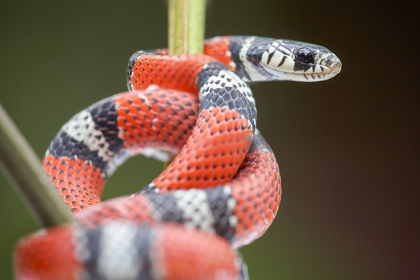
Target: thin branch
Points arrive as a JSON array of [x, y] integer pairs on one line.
[[186, 26], [23, 168]]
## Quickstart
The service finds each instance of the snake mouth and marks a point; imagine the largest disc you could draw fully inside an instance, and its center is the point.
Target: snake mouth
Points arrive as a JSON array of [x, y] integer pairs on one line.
[[315, 73]]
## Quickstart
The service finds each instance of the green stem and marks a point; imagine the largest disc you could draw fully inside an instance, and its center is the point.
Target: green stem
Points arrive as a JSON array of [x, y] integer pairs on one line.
[[186, 26], [23, 168]]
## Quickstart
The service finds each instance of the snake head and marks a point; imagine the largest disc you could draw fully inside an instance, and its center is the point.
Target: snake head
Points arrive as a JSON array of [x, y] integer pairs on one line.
[[291, 60]]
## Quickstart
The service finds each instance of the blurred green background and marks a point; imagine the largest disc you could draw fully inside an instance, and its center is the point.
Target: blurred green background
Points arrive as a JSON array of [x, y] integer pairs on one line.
[[347, 148]]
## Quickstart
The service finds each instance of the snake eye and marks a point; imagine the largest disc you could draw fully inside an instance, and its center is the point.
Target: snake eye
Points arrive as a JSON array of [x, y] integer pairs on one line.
[[304, 55]]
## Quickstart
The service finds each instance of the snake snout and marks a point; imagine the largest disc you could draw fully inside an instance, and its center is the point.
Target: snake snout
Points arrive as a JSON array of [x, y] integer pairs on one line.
[[336, 67], [333, 63]]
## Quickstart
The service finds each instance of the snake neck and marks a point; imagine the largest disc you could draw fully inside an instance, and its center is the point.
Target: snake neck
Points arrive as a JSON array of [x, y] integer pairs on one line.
[[235, 52]]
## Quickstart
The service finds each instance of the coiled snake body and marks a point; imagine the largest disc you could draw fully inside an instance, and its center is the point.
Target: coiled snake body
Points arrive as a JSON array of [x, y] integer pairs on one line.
[[222, 190]]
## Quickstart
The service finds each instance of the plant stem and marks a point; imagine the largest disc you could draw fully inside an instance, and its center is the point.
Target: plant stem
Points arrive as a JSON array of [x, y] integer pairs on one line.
[[23, 169], [186, 26]]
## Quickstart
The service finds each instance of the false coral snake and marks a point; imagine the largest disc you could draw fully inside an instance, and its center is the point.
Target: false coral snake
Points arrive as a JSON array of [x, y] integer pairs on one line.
[[222, 190]]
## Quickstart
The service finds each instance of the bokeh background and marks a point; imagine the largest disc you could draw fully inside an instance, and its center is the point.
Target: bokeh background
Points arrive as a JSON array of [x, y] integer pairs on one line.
[[347, 148]]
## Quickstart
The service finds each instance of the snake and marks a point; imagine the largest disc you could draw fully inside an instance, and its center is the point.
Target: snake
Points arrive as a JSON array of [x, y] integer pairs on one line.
[[221, 191]]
